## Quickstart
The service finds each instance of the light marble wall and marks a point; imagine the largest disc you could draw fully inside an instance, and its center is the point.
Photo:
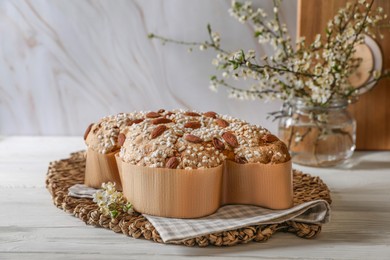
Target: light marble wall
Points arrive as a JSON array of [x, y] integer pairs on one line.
[[66, 63]]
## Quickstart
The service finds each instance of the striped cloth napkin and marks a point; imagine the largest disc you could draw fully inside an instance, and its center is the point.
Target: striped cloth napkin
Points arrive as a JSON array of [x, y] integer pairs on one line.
[[228, 217]]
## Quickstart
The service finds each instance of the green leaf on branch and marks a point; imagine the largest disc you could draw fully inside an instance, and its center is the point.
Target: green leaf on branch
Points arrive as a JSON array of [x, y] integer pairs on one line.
[[114, 213]]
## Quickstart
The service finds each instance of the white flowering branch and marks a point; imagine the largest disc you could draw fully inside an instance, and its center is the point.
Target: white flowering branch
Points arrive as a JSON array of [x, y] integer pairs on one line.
[[111, 202], [214, 41], [317, 72]]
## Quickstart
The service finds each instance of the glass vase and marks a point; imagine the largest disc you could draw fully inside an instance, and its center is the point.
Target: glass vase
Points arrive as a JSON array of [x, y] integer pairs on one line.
[[316, 135]]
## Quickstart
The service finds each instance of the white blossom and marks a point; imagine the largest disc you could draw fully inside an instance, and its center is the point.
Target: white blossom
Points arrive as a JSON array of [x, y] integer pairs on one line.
[[110, 201], [314, 71], [213, 87]]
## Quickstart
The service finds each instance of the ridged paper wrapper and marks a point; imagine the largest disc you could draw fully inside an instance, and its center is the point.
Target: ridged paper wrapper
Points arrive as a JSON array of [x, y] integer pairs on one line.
[[101, 168], [178, 193]]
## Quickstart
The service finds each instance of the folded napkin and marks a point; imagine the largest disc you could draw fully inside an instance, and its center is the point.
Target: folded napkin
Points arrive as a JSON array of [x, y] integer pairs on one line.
[[232, 217], [228, 217], [82, 191]]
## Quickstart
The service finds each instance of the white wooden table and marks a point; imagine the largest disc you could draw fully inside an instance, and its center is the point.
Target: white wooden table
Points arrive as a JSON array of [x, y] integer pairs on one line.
[[31, 227]]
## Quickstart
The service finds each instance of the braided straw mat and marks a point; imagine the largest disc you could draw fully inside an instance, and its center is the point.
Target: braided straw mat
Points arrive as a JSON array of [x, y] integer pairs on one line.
[[65, 173]]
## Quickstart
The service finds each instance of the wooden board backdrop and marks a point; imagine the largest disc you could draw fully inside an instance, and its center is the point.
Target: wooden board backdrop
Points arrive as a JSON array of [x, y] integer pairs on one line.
[[372, 111]]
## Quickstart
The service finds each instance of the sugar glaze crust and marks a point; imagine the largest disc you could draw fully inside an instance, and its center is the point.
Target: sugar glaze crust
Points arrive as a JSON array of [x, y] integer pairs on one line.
[[103, 135], [197, 140]]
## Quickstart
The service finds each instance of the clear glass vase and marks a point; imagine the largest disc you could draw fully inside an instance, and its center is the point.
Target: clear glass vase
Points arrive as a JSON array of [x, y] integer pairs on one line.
[[318, 136]]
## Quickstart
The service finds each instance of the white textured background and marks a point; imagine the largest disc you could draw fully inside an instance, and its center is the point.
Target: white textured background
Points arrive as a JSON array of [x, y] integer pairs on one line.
[[66, 63]]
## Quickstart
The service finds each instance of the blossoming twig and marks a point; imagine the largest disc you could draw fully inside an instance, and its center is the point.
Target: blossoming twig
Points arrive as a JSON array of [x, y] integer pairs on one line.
[[317, 72], [111, 202]]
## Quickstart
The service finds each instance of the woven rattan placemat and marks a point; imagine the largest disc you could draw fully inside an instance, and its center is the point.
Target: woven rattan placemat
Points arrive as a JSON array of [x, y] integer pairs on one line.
[[65, 173]]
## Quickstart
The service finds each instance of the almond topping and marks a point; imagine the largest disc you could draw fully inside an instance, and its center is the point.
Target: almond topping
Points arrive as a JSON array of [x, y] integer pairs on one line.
[[193, 125], [169, 114], [121, 139], [210, 114], [161, 120], [222, 123], [135, 121], [161, 110], [189, 113], [87, 131], [230, 139], [158, 131], [96, 128], [193, 138], [240, 159], [269, 138], [218, 144], [172, 163], [152, 115]]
